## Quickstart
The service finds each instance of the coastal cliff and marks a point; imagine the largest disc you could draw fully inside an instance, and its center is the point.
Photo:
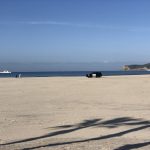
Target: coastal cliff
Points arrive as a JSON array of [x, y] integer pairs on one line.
[[137, 67]]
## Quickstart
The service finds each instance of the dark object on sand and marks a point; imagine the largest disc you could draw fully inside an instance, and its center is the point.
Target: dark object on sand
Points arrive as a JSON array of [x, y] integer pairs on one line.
[[94, 74], [18, 76]]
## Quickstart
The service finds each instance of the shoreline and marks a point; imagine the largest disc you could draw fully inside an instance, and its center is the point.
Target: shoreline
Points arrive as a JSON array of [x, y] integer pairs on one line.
[[72, 74], [104, 76]]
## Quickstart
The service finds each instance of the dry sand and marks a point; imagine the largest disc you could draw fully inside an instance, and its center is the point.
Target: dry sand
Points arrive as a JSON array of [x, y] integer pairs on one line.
[[75, 113]]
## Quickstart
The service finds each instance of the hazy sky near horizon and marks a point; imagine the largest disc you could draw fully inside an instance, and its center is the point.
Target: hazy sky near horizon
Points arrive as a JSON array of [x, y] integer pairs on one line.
[[74, 31]]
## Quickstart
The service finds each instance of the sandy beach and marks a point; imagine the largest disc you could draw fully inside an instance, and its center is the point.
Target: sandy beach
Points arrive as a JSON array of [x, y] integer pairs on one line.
[[75, 113]]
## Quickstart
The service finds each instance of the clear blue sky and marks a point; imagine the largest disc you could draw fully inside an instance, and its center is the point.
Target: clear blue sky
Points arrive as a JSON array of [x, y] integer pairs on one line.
[[45, 31]]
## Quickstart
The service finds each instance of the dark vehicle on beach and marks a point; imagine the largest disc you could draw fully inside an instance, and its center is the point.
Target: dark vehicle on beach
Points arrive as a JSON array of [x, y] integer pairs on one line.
[[94, 74]]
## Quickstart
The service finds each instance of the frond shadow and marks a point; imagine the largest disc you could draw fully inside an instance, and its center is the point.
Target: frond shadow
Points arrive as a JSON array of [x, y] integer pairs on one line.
[[133, 146], [95, 123]]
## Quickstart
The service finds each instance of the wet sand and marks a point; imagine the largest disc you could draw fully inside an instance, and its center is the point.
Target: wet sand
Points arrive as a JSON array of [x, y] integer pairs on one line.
[[73, 113]]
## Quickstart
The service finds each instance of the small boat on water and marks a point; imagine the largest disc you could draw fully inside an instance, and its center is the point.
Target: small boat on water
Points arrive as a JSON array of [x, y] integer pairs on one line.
[[5, 71]]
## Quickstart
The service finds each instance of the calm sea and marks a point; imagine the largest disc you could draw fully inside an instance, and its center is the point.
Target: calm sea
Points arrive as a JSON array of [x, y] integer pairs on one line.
[[71, 73]]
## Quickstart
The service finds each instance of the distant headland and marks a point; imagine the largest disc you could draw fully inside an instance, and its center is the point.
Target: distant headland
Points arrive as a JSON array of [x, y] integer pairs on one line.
[[145, 67]]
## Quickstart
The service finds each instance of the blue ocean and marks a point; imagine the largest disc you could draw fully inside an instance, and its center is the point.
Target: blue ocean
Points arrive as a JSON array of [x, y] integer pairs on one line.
[[71, 73]]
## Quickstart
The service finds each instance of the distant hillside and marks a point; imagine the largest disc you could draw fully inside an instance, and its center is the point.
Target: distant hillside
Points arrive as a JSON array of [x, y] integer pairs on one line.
[[137, 67]]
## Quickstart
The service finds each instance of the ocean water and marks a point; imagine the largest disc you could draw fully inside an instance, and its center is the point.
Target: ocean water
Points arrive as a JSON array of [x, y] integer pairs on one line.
[[71, 73]]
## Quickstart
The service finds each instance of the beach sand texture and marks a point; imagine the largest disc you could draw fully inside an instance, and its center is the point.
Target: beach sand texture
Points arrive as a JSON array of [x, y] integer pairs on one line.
[[75, 113]]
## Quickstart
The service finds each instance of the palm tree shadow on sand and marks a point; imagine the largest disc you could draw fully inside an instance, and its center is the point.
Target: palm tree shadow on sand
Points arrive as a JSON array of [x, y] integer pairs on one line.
[[133, 146], [113, 123]]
